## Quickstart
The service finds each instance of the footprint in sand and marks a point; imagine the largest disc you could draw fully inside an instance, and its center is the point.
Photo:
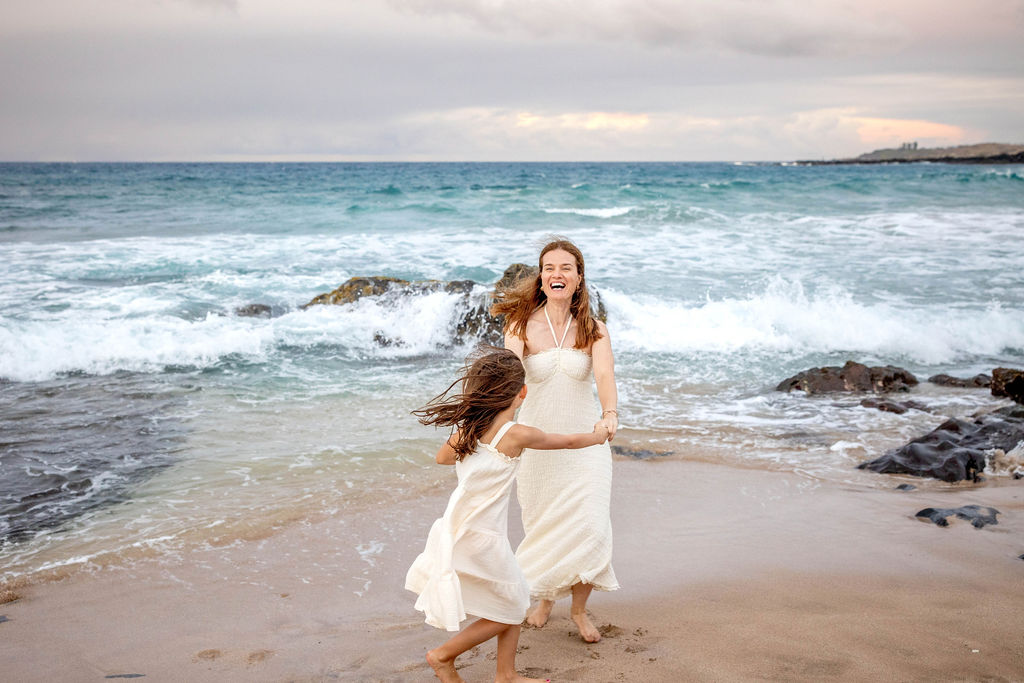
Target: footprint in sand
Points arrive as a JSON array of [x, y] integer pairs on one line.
[[209, 655], [536, 672], [610, 631], [253, 658], [404, 626]]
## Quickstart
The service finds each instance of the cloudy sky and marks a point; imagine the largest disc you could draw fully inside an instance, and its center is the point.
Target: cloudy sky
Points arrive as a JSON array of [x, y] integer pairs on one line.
[[493, 80]]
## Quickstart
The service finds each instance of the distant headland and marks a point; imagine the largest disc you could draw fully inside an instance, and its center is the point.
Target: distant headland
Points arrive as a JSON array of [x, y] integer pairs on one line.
[[984, 153]]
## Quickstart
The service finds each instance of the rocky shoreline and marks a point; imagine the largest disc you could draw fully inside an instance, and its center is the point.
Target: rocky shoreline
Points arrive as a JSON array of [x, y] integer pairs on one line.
[[985, 153], [958, 449]]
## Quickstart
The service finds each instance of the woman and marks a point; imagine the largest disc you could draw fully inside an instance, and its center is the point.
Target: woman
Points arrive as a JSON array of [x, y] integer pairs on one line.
[[567, 549]]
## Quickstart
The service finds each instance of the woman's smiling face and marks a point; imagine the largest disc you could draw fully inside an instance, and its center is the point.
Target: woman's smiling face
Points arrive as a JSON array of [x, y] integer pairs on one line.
[[559, 276]]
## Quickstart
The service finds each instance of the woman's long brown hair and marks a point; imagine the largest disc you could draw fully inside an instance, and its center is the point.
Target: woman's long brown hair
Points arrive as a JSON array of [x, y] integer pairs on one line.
[[489, 382], [518, 303]]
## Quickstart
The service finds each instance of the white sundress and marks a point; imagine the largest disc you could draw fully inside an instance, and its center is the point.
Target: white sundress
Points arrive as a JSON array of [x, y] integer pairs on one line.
[[565, 495], [468, 565]]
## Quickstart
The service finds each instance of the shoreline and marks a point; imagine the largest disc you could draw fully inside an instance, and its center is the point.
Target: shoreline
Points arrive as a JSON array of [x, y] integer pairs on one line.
[[983, 153], [999, 159], [727, 574]]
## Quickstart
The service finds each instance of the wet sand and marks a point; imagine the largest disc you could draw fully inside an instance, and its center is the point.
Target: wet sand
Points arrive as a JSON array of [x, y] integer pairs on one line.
[[728, 575]]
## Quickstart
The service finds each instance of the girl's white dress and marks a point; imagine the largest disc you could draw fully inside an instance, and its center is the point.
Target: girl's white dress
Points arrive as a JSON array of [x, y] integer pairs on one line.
[[468, 565], [565, 495]]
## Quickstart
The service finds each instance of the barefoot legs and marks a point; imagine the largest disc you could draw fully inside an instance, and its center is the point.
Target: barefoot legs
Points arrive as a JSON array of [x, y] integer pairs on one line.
[[539, 615], [580, 594], [442, 658], [578, 612], [508, 640]]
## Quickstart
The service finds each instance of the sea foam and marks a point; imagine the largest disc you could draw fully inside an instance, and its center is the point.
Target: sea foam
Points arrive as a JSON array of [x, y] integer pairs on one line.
[[785, 317], [782, 318], [595, 213]]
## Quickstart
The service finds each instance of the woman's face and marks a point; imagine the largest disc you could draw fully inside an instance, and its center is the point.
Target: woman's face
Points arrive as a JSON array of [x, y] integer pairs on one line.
[[558, 275]]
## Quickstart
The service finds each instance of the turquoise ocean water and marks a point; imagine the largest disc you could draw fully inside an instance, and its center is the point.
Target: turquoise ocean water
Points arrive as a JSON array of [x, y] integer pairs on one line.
[[141, 414]]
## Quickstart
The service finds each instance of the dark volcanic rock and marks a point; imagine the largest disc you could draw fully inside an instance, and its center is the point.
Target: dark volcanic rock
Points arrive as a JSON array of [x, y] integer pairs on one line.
[[851, 377], [356, 288], [906, 487], [977, 515], [253, 311], [513, 274], [474, 321], [956, 449], [1008, 382], [383, 340], [893, 406], [981, 381]]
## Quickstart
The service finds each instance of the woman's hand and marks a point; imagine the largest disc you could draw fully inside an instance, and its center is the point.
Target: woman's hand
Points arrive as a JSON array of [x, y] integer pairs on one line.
[[610, 420], [601, 430]]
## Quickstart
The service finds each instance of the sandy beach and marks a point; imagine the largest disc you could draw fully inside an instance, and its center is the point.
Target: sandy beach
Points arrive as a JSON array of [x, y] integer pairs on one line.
[[728, 575]]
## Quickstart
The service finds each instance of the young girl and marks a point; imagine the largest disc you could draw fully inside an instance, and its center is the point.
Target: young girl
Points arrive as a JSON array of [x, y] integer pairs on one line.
[[468, 564]]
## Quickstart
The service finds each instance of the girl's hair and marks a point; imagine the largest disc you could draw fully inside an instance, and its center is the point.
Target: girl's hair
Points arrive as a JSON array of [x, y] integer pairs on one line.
[[518, 302], [489, 382]]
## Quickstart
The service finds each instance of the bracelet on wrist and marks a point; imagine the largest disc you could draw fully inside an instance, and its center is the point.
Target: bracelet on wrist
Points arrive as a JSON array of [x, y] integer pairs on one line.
[[611, 410]]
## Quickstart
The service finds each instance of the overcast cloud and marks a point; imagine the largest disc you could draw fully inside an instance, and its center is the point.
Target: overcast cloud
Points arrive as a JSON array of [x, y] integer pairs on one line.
[[504, 80]]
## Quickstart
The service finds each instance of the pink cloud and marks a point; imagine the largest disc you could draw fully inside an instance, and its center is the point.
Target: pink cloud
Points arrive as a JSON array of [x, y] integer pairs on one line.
[[876, 131]]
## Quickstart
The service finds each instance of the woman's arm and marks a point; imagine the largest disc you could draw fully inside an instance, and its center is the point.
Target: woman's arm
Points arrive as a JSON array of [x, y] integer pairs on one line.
[[604, 376], [446, 454], [515, 345]]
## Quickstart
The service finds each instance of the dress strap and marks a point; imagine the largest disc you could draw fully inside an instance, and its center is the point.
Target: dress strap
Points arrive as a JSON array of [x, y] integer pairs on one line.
[[501, 432], [551, 327]]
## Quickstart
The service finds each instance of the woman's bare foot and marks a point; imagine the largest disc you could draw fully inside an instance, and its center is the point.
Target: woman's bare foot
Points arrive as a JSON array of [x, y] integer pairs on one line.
[[587, 630], [539, 616], [444, 669]]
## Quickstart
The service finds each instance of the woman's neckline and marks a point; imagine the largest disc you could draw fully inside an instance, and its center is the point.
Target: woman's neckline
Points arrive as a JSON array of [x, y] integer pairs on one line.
[[554, 348], [551, 327]]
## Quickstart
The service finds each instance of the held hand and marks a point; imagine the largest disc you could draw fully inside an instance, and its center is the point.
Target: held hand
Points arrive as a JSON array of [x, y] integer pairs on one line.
[[611, 423], [601, 430]]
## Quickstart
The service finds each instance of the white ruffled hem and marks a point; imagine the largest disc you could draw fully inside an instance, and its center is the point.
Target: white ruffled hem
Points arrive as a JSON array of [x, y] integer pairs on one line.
[[565, 590], [440, 600]]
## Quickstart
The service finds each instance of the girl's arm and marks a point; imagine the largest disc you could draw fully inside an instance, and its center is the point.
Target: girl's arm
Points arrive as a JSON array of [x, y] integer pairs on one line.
[[604, 376], [531, 437]]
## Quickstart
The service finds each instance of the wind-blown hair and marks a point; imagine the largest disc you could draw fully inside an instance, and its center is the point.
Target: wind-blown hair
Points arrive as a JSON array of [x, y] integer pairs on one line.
[[519, 302], [488, 383]]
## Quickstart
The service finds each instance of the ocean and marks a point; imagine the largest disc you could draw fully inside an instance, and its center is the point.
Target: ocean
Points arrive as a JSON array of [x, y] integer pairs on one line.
[[142, 415]]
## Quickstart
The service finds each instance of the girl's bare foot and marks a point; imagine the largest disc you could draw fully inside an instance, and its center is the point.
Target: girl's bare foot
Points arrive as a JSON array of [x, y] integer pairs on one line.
[[539, 616], [587, 630], [443, 669]]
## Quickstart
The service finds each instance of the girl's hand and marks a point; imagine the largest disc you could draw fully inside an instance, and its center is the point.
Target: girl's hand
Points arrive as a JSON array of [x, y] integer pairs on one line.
[[611, 423], [600, 428]]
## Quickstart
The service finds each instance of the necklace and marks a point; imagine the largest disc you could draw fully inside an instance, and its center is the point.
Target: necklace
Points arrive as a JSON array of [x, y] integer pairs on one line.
[[551, 327]]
